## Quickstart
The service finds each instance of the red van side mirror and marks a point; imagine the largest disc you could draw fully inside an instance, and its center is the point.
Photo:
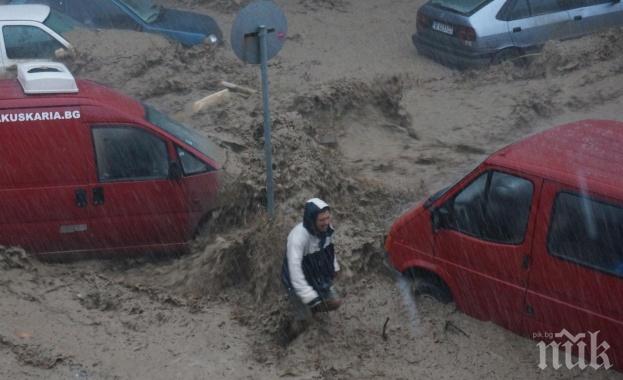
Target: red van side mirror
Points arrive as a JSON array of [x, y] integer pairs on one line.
[[440, 218]]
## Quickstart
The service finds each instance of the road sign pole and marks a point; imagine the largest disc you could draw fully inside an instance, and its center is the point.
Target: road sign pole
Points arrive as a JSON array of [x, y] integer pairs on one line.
[[257, 35], [268, 149]]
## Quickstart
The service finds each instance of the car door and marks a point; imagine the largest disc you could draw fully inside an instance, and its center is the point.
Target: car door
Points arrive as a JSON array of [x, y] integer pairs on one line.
[[590, 16], [200, 182], [547, 20], [486, 239], [576, 276], [135, 204], [43, 179], [101, 14], [58, 5], [3, 58], [27, 41]]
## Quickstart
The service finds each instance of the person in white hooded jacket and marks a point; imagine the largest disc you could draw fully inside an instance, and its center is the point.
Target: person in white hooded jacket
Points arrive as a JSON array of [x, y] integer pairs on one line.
[[309, 266]]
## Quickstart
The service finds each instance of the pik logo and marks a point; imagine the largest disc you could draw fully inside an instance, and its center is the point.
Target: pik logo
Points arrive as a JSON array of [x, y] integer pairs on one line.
[[575, 344]]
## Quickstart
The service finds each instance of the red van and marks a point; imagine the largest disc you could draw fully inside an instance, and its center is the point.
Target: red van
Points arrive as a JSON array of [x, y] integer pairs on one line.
[[86, 169], [532, 239]]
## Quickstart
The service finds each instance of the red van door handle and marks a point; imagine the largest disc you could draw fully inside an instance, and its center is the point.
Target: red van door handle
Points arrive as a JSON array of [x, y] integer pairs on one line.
[[525, 262], [98, 196], [81, 198]]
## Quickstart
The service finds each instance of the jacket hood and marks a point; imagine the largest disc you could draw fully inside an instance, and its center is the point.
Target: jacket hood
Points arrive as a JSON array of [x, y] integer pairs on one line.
[[313, 207]]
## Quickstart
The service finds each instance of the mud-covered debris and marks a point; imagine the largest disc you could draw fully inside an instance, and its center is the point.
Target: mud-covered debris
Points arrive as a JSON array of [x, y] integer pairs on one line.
[[99, 300], [14, 258], [332, 5], [33, 355]]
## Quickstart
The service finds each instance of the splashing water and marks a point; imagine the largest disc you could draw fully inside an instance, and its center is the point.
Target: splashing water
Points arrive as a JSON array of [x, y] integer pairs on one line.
[[408, 300]]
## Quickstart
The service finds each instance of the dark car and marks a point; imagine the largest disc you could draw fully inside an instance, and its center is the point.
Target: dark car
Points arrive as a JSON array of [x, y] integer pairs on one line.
[[189, 28], [472, 33]]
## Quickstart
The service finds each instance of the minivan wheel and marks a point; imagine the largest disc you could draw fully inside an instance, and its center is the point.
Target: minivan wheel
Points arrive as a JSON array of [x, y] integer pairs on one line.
[[432, 286], [508, 54]]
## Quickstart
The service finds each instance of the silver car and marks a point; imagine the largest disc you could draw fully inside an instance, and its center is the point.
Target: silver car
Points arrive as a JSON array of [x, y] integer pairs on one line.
[[473, 33]]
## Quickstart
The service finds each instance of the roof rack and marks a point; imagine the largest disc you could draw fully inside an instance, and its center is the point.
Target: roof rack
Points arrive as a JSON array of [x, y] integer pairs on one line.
[[45, 78]]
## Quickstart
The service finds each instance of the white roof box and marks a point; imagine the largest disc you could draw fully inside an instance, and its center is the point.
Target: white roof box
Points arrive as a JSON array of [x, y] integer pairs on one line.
[[45, 78]]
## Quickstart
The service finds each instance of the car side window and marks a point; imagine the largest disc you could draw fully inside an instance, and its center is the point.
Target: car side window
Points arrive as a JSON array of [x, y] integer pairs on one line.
[[26, 42], [128, 153], [541, 7], [191, 164], [519, 10], [58, 5], [79, 11], [597, 2], [101, 13], [588, 232], [573, 4], [494, 207]]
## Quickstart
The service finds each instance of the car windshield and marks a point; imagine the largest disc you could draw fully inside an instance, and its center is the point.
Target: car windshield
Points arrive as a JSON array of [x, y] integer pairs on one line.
[[460, 6], [182, 132], [60, 23], [145, 9]]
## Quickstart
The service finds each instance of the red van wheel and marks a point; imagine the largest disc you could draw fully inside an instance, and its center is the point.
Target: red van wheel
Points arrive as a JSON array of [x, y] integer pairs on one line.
[[431, 285]]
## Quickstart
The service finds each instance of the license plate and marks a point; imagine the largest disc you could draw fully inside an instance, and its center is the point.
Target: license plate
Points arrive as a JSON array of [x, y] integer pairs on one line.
[[444, 28]]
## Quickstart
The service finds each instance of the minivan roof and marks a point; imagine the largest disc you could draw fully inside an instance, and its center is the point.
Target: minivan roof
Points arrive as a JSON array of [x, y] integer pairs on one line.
[[583, 153], [89, 93], [24, 12]]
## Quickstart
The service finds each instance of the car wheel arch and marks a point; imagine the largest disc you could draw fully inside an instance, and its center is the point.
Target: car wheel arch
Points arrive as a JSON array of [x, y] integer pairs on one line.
[[508, 53], [432, 281]]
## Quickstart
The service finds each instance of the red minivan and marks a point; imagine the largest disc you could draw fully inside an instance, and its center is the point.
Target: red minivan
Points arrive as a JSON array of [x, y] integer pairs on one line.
[[86, 169], [532, 239]]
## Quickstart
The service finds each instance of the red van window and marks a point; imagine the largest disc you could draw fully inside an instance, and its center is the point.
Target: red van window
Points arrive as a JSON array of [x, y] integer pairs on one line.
[[190, 164], [494, 207], [186, 134], [588, 232], [126, 153]]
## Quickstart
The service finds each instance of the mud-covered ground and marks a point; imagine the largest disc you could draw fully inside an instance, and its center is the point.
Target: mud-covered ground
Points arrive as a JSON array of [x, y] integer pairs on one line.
[[360, 120]]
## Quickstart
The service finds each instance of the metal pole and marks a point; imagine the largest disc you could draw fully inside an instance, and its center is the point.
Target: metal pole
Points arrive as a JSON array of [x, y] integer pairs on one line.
[[268, 149]]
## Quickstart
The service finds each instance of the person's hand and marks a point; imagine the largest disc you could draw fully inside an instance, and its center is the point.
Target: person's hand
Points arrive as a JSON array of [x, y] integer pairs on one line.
[[325, 306]]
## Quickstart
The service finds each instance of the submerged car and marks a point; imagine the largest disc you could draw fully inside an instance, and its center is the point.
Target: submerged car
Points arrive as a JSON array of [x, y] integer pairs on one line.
[[86, 169], [532, 239], [32, 32], [189, 28], [474, 33]]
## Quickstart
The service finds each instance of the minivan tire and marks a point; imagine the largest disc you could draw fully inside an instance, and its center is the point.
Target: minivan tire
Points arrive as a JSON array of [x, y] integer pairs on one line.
[[433, 287]]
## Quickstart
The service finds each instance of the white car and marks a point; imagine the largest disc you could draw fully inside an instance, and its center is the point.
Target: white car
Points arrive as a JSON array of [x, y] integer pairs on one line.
[[32, 32]]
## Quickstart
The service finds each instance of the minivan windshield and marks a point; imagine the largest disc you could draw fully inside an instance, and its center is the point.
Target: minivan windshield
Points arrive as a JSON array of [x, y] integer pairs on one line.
[[60, 23], [182, 132], [145, 9], [460, 6]]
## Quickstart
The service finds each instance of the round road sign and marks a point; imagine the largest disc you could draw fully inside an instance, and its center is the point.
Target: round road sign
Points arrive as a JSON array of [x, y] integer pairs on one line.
[[245, 30]]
